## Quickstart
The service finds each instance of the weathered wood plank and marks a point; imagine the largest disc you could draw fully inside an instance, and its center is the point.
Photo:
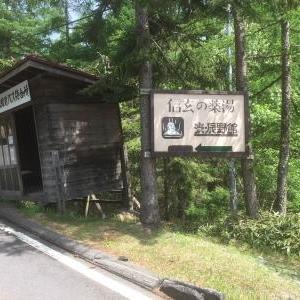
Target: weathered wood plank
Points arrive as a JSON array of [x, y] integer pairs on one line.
[[88, 138]]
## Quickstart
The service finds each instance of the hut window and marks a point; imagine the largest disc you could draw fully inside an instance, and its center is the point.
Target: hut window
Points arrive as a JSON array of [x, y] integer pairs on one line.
[[1, 157], [2, 135], [8, 162], [11, 144], [7, 147]]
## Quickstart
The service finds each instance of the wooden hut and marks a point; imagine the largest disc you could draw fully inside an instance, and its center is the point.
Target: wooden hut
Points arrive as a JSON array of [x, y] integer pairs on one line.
[[54, 141]]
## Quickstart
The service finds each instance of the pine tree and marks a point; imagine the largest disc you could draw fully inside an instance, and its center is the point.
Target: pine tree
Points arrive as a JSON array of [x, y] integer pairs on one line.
[[251, 201], [149, 204]]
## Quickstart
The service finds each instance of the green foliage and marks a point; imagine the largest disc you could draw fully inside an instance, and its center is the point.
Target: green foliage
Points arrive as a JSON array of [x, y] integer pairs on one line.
[[29, 207], [189, 49], [22, 24], [113, 90], [293, 182], [212, 206], [270, 231], [5, 64]]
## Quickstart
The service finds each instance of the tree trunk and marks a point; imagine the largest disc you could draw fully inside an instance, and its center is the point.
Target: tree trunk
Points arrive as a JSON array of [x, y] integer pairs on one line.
[[166, 162], [251, 202], [281, 199], [127, 196], [67, 19], [149, 203], [181, 205], [233, 202]]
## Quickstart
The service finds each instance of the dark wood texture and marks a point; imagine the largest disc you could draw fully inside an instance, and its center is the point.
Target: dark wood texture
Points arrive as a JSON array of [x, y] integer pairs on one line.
[[33, 65], [84, 131], [87, 136]]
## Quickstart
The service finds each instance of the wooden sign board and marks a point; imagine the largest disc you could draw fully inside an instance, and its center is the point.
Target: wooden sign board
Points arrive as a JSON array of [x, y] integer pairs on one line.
[[15, 96], [198, 123]]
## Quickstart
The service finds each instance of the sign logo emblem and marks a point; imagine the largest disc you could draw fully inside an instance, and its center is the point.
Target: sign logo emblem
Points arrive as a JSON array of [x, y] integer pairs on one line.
[[172, 128]]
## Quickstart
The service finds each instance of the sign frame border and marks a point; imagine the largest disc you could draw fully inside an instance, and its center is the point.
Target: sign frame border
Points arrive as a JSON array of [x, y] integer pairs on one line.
[[204, 154], [15, 107]]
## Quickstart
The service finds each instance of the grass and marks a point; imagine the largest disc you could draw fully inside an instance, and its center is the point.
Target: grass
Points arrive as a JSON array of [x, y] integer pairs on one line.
[[236, 271]]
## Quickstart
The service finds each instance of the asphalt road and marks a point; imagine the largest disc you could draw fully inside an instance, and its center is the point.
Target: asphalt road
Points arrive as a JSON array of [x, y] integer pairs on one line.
[[28, 273]]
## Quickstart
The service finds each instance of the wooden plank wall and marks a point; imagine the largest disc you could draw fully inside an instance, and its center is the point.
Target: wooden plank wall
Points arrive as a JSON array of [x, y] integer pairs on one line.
[[87, 135]]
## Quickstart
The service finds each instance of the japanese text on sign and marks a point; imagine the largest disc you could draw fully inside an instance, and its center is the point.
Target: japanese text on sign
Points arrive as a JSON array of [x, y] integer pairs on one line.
[[209, 105], [198, 121], [15, 96], [216, 129]]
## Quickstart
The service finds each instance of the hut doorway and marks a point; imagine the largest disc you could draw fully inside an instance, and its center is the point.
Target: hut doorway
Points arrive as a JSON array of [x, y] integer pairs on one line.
[[30, 167]]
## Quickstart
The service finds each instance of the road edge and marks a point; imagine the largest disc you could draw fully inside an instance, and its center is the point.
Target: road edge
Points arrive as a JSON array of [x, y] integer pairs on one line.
[[171, 288]]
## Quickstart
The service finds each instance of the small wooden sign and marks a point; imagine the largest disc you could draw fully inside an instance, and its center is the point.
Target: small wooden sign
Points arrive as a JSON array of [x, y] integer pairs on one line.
[[15, 96]]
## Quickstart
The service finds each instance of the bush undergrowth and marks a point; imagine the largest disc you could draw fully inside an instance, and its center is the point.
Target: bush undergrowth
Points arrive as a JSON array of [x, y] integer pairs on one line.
[[271, 230], [30, 207]]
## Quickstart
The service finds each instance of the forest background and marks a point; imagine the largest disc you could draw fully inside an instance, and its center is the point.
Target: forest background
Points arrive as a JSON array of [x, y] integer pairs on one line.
[[192, 46]]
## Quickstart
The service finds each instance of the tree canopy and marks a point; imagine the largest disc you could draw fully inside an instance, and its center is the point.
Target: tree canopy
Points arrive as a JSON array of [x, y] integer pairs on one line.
[[188, 49]]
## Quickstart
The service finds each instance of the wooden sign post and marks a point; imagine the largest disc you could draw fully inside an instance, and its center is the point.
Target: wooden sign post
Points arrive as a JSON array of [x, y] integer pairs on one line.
[[61, 203]]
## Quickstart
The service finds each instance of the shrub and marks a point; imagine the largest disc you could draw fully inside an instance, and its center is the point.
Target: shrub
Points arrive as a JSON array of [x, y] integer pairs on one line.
[[213, 205], [273, 231], [30, 207]]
